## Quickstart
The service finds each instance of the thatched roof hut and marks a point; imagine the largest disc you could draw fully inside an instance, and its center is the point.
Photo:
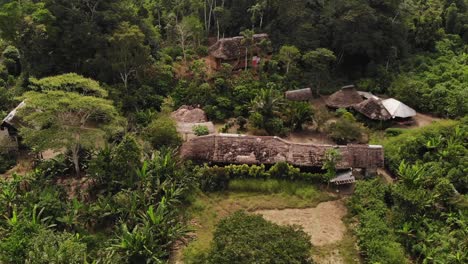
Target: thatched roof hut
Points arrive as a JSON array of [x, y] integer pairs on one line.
[[373, 109], [189, 114], [348, 96], [242, 149], [299, 95], [232, 48]]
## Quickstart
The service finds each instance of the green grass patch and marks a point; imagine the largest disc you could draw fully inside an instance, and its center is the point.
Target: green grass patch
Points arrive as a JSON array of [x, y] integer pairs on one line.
[[272, 186]]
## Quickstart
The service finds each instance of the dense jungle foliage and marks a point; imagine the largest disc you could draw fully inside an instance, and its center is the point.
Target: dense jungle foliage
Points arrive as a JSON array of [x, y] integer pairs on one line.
[[106, 74], [423, 215]]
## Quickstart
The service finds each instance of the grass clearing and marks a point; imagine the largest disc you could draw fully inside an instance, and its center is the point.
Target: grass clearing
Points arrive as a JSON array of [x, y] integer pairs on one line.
[[250, 195]]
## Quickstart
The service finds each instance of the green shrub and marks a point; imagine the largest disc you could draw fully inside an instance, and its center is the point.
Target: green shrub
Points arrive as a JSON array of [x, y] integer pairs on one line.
[[243, 238], [393, 132], [200, 130], [50, 247], [7, 161], [162, 132]]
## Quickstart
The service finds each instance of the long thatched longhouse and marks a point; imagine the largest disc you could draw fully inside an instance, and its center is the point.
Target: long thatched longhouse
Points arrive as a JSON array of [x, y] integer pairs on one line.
[[232, 50], [348, 96], [299, 95], [243, 149]]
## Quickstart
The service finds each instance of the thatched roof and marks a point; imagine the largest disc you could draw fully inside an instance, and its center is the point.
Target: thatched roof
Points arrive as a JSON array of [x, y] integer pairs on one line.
[[299, 95], [242, 149], [373, 109], [344, 98], [367, 95], [232, 48], [189, 114]]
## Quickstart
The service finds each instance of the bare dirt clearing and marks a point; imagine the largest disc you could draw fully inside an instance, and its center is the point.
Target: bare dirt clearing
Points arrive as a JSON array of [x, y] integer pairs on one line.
[[323, 223]]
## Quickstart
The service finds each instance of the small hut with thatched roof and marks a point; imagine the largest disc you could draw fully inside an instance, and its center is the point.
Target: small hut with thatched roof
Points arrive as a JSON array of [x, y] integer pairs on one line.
[[373, 109], [232, 50], [299, 95], [347, 97]]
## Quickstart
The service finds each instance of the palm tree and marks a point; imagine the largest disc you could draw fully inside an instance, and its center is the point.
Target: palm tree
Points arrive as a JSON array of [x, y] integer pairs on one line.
[[268, 103]]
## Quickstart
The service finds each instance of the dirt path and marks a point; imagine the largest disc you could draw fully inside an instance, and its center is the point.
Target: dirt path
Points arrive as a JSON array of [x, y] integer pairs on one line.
[[424, 120], [323, 223]]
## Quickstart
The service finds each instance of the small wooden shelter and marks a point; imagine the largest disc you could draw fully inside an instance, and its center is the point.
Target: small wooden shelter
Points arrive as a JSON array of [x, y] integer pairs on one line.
[[347, 97], [346, 177], [232, 50], [299, 95], [373, 109]]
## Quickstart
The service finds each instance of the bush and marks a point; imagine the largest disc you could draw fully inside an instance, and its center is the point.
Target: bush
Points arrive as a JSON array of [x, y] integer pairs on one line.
[[346, 130], [162, 132], [243, 238], [7, 161], [50, 247], [200, 130]]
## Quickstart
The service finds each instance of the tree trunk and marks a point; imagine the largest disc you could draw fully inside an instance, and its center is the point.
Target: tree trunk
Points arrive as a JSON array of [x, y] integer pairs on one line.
[[261, 21], [76, 159], [246, 58]]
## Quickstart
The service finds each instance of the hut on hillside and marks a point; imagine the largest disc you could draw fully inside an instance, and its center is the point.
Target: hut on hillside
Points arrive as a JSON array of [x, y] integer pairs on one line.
[[232, 50], [187, 118], [347, 97], [299, 95], [373, 109]]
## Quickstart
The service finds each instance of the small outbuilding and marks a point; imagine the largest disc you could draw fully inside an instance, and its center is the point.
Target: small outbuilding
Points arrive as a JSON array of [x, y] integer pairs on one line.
[[398, 109], [373, 109], [299, 95], [232, 50], [347, 97]]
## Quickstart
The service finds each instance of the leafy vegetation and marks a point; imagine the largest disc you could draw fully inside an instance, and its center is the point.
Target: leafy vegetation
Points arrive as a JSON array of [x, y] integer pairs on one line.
[[101, 93], [425, 212], [243, 238]]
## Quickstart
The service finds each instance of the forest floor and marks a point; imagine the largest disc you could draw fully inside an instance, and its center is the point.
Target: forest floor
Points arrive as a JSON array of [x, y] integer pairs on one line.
[[322, 216]]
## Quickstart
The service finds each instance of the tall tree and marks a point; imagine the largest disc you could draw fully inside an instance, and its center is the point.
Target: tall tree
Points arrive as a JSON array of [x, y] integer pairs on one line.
[[289, 56], [58, 119], [128, 51], [319, 62]]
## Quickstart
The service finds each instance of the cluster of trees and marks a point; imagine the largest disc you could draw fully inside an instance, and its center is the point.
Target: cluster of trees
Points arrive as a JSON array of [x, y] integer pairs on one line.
[[423, 215]]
